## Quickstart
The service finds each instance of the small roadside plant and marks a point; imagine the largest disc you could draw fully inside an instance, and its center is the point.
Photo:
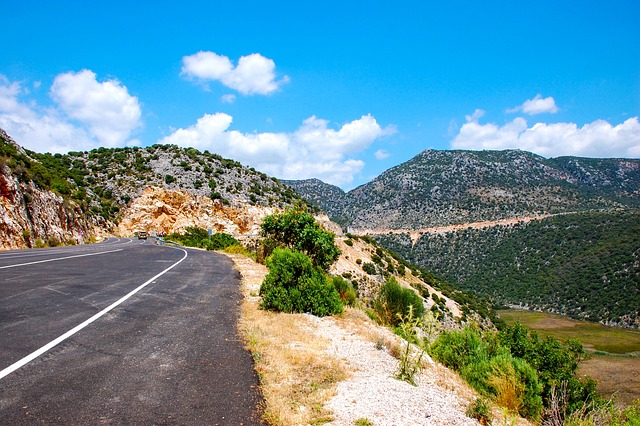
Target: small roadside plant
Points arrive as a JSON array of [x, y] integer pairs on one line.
[[221, 241], [199, 237], [481, 411], [394, 302], [410, 361], [345, 290]]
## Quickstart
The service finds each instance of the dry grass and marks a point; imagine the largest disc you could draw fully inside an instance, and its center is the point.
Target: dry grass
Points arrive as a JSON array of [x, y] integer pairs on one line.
[[508, 389], [297, 378]]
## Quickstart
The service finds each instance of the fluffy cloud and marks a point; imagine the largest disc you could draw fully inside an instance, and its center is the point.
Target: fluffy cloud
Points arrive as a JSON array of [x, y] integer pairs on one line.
[[106, 108], [313, 150], [596, 139], [537, 105], [381, 154], [228, 99], [254, 73], [88, 114]]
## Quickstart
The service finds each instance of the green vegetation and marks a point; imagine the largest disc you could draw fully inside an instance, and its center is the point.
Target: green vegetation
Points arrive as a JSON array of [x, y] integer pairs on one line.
[[345, 290], [518, 369], [613, 351], [582, 265], [410, 361], [294, 284], [301, 253], [395, 303], [481, 411], [200, 238], [299, 231]]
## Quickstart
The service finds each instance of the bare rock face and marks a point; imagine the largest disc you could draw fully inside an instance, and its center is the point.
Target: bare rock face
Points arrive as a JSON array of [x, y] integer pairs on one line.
[[29, 214], [168, 211]]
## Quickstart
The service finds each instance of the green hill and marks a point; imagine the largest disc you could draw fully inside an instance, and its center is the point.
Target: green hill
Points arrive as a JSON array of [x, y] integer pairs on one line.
[[584, 265]]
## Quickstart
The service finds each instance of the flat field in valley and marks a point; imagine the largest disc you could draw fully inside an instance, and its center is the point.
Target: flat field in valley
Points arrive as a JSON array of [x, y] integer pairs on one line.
[[615, 352]]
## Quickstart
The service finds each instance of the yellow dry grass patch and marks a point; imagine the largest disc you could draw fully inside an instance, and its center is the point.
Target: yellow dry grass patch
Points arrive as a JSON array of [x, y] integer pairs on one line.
[[297, 376]]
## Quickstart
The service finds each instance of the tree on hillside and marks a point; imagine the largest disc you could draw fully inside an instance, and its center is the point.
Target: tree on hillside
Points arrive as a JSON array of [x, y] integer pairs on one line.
[[298, 230]]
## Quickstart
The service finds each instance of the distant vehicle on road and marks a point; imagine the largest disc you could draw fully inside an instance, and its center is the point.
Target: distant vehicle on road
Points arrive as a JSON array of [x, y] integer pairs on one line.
[[142, 235]]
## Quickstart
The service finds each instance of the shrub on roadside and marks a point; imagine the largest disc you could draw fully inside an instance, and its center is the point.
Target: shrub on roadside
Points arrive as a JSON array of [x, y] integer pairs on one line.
[[221, 241], [195, 236], [481, 411], [294, 284], [520, 371], [298, 230]]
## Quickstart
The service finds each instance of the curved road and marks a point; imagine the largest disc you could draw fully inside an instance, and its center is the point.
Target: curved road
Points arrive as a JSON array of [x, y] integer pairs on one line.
[[122, 332]]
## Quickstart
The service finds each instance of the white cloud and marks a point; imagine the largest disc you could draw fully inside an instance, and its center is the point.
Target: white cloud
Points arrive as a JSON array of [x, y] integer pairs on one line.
[[381, 154], [228, 99], [313, 150], [254, 73], [597, 139], [477, 115], [105, 114], [106, 108], [537, 105]]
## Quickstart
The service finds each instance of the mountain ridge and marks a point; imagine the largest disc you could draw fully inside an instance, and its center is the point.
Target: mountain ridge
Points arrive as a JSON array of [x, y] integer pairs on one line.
[[439, 188]]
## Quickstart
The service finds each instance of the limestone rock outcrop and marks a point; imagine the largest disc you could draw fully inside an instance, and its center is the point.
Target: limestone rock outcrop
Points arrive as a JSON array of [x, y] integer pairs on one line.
[[30, 216], [166, 211]]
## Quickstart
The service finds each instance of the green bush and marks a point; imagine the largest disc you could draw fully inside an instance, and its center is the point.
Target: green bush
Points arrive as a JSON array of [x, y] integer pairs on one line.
[[393, 302], [298, 230], [557, 363], [345, 290], [221, 241], [517, 369], [481, 411], [457, 349], [195, 236], [294, 284], [369, 268]]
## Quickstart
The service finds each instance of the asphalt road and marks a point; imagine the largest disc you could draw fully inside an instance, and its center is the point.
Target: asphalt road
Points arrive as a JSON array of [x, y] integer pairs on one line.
[[122, 332]]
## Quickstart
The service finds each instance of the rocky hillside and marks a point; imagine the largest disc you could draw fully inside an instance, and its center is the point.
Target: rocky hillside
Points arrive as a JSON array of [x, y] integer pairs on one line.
[[29, 215], [50, 199], [438, 188], [329, 198]]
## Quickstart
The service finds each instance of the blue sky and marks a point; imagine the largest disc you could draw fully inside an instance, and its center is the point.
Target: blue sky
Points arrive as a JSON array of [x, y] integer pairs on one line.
[[336, 90]]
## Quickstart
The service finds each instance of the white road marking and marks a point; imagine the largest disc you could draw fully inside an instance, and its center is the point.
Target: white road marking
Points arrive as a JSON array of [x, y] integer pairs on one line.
[[58, 258], [13, 367]]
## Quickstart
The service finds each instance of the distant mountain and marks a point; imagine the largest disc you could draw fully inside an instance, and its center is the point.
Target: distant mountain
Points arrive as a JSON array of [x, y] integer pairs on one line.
[[329, 198], [438, 188]]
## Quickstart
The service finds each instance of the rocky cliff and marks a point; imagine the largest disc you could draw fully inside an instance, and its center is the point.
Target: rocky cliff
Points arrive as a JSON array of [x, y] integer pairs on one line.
[[31, 216], [167, 211]]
